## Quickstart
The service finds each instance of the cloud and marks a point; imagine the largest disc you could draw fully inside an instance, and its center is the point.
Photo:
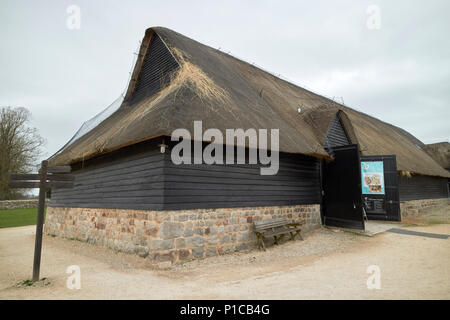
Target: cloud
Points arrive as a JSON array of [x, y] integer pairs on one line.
[[399, 73]]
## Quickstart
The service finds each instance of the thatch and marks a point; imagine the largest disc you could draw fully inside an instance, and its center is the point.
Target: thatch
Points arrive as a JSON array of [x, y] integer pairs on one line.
[[440, 152], [225, 92]]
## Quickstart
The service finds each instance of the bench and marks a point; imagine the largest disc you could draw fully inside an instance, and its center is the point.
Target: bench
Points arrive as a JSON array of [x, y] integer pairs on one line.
[[276, 228]]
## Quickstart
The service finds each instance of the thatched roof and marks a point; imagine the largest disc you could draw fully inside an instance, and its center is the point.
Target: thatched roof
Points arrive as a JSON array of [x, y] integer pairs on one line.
[[225, 92], [440, 152]]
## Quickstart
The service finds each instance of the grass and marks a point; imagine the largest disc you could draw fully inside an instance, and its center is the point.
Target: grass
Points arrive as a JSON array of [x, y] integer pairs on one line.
[[17, 217], [30, 283]]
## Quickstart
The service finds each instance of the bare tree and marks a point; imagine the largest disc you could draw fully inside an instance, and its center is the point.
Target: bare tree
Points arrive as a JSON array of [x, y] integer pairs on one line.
[[20, 147]]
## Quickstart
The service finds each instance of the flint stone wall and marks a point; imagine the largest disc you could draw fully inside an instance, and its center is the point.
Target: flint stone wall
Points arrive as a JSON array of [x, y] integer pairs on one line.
[[422, 207], [174, 236], [19, 204]]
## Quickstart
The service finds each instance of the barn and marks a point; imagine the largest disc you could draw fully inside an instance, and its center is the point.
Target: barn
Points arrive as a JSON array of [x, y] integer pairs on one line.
[[440, 152], [336, 165]]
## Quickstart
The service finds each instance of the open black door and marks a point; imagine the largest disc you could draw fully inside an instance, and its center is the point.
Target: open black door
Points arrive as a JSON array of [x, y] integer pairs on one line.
[[341, 180], [386, 204]]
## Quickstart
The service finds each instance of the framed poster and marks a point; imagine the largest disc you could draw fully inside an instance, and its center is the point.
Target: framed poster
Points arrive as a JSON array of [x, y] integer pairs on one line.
[[372, 175]]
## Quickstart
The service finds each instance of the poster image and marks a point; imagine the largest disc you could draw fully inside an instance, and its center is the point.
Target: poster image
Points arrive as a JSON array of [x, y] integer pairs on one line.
[[372, 174]]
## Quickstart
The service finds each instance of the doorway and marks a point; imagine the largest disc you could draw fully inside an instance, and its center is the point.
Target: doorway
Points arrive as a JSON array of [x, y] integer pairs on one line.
[[342, 204], [384, 204]]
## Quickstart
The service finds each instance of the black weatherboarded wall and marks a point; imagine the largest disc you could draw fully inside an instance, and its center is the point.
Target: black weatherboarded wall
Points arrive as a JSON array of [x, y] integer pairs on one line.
[[422, 187], [156, 69], [131, 178], [140, 177], [224, 186], [336, 136]]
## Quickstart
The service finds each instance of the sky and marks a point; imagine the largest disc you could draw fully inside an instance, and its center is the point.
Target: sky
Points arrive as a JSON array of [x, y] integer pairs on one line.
[[389, 59]]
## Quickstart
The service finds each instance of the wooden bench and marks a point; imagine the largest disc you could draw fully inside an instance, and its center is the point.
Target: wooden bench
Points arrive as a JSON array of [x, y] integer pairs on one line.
[[276, 228]]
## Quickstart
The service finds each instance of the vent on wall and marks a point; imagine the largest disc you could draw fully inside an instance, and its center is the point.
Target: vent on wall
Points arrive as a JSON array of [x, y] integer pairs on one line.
[[154, 75], [336, 135]]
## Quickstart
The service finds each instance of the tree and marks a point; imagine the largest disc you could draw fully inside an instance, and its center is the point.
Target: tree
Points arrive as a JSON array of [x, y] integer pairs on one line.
[[20, 147]]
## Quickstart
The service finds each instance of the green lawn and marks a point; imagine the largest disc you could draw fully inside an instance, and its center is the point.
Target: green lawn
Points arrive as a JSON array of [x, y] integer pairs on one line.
[[17, 217]]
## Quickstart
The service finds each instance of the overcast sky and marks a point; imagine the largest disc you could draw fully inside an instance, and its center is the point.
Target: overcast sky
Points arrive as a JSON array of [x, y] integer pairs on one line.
[[399, 73]]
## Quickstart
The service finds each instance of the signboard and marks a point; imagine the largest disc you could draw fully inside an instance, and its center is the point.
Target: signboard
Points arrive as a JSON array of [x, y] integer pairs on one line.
[[372, 175]]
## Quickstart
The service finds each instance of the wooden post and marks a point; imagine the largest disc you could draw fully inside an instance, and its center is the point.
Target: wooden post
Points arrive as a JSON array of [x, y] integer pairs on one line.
[[40, 221], [58, 178]]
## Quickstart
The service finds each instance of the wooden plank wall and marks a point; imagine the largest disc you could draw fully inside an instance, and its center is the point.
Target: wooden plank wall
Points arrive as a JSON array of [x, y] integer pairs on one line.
[[422, 187], [157, 66], [143, 178], [223, 186], [336, 135], [129, 179]]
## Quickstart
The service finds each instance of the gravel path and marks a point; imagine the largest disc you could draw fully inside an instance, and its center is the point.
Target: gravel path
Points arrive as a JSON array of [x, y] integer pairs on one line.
[[328, 264]]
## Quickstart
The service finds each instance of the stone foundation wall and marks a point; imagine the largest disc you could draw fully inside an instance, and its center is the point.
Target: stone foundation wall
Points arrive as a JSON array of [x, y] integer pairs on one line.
[[18, 204], [174, 236], [421, 207]]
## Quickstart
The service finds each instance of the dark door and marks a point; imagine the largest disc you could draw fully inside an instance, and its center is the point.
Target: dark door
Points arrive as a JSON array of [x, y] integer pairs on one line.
[[342, 202], [384, 206]]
